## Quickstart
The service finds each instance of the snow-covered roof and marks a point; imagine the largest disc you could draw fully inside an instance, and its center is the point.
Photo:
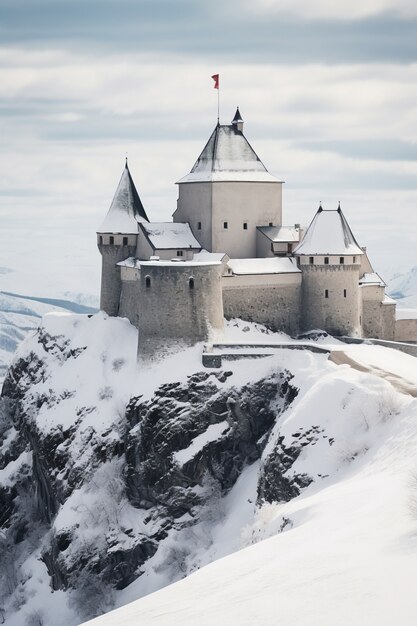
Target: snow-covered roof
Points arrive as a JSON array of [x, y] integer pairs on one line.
[[372, 279], [281, 234], [204, 255], [270, 265], [126, 209], [329, 233], [169, 235], [130, 262], [208, 259], [228, 156]]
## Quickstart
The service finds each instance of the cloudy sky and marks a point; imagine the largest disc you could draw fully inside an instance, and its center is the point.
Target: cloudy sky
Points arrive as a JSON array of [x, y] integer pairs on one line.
[[328, 92]]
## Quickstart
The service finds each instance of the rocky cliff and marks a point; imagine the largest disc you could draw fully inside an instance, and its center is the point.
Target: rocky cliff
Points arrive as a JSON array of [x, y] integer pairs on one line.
[[115, 481]]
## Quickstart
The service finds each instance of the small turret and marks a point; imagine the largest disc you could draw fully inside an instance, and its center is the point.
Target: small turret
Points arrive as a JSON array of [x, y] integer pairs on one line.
[[330, 259], [237, 121], [117, 239]]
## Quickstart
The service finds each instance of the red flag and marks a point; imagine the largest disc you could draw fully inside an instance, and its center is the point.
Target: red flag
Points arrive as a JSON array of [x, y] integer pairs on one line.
[[215, 77]]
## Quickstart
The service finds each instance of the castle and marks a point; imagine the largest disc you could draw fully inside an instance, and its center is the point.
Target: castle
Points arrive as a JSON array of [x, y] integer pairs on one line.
[[227, 254]]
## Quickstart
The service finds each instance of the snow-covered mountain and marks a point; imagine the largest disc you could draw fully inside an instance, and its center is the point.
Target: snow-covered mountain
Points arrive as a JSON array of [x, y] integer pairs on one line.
[[403, 287], [20, 315], [117, 481]]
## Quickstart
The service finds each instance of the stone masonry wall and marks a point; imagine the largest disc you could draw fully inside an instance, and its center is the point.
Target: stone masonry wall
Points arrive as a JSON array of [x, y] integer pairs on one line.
[[173, 313], [406, 330], [111, 283], [378, 320], [337, 314], [277, 307], [130, 301]]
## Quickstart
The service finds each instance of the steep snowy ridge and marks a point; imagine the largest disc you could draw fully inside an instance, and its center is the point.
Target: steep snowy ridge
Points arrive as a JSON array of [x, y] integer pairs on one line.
[[117, 481], [20, 315]]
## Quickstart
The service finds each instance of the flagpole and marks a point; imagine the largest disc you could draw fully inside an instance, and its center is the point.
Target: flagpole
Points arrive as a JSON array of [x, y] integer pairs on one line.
[[216, 78]]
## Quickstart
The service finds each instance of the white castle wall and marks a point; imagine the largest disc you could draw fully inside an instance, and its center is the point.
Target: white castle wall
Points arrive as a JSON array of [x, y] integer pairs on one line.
[[337, 314], [170, 312], [273, 300], [194, 207], [237, 203]]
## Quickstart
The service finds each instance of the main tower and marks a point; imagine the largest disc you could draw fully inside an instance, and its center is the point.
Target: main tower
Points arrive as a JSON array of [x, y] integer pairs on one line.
[[228, 193]]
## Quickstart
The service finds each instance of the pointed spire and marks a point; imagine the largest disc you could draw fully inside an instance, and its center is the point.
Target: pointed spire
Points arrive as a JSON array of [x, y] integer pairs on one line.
[[238, 121], [126, 209]]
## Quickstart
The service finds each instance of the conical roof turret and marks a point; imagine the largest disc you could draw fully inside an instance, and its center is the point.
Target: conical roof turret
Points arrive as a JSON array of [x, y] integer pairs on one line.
[[329, 234], [126, 209]]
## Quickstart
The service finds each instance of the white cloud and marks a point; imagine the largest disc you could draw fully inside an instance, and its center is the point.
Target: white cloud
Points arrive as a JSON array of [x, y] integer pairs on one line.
[[333, 10]]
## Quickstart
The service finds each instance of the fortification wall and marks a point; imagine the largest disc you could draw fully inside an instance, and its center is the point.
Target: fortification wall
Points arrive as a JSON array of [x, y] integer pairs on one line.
[[130, 301], [179, 304], [406, 330], [111, 284], [331, 299], [274, 301], [378, 320]]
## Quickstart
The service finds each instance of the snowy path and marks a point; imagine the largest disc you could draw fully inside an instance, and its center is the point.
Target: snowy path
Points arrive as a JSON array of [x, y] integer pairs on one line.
[[340, 357]]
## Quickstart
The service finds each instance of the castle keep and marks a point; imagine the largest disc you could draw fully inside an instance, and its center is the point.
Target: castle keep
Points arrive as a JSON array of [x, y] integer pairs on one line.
[[228, 254]]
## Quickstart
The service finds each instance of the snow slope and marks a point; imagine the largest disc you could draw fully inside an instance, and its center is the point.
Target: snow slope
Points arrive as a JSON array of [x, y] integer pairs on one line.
[[345, 550], [314, 522]]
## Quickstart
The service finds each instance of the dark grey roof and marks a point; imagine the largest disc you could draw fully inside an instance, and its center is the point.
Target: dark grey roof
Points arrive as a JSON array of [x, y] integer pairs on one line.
[[237, 117], [126, 209]]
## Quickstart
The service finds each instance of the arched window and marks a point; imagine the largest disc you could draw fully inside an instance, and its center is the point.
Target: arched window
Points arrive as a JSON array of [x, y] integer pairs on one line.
[[111, 240], [326, 293], [101, 239], [148, 281], [125, 241], [191, 283], [326, 260]]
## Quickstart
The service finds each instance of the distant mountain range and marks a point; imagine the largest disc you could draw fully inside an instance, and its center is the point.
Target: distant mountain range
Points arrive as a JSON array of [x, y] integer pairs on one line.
[[403, 287], [21, 314]]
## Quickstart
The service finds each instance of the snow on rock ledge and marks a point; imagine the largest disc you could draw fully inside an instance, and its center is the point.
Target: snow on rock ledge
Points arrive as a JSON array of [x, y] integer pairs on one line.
[[116, 481]]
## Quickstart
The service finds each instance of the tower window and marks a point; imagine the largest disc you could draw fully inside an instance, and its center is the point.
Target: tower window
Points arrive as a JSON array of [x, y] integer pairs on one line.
[[326, 293], [344, 293], [245, 226], [198, 225], [180, 253], [101, 239], [270, 223], [311, 260], [111, 240], [326, 260], [191, 283], [125, 241], [225, 225], [342, 260], [354, 259], [148, 281]]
